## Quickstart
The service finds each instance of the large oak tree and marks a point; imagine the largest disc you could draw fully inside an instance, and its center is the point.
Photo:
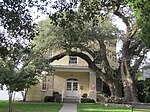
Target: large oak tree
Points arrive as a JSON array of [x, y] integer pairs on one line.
[[66, 17]]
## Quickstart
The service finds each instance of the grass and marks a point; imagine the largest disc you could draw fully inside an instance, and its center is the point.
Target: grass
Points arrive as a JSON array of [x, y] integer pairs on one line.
[[55, 107], [102, 108], [30, 107]]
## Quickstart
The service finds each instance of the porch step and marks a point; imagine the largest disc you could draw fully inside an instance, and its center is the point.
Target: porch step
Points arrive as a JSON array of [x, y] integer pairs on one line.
[[71, 99]]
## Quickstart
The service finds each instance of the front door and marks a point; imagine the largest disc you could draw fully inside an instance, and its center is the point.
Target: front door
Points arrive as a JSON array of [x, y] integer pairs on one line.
[[72, 87]]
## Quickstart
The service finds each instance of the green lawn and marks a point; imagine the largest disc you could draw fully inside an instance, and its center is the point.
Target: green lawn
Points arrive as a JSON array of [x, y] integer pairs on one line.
[[102, 108], [31, 107]]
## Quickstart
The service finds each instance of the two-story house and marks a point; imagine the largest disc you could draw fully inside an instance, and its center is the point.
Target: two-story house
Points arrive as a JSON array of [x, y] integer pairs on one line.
[[71, 78]]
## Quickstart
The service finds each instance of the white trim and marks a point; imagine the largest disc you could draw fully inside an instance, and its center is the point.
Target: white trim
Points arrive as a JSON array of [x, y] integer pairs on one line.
[[72, 92], [72, 69], [44, 84]]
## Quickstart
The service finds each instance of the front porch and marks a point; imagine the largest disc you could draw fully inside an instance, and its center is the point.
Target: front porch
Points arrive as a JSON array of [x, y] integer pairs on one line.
[[71, 82]]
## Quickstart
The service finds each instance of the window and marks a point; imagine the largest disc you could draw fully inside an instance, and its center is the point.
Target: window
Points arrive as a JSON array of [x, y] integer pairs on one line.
[[99, 84], [68, 86], [72, 84], [44, 83], [72, 59]]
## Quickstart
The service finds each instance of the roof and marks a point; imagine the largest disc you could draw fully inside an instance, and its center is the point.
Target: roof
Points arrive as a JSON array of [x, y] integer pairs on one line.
[[67, 68]]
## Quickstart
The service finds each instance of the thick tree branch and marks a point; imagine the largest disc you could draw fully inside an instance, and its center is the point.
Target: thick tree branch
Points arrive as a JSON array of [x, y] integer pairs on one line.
[[57, 57], [125, 49], [139, 49], [104, 76], [133, 47], [132, 33], [120, 15], [103, 57], [137, 63]]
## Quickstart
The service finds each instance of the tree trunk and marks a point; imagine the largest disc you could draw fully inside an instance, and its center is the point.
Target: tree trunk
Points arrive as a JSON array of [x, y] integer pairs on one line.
[[112, 90], [130, 94], [10, 100], [14, 96], [24, 94], [118, 89], [115, 89]]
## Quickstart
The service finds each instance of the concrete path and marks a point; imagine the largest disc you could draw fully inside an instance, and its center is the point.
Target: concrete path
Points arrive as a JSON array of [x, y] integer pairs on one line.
[[69, 107]]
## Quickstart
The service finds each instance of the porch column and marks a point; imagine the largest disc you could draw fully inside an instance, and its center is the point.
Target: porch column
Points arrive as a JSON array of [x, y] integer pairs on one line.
[[92, 86]]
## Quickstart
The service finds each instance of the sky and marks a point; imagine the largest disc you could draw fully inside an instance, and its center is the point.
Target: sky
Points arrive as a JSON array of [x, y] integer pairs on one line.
[[4, 95]]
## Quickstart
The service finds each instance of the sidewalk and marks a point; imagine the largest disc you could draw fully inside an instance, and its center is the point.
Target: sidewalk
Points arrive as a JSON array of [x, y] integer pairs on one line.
[[69, 107]]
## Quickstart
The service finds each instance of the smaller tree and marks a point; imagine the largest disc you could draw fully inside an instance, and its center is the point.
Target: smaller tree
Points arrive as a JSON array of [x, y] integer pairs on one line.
[[28, 77], [16, 79]]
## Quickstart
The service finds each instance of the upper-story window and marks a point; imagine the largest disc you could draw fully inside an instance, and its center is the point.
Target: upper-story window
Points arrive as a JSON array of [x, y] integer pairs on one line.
[[72, 59]]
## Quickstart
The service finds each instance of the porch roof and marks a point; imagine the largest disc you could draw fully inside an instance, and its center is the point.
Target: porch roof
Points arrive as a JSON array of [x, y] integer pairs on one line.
[[65, 68]]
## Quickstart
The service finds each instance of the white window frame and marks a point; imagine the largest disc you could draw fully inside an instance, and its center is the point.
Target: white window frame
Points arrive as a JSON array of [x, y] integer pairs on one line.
[[73, 60], [44, 83]]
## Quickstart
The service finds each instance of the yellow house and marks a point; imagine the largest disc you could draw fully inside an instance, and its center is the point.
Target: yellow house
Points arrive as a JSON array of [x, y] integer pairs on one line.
[[71, 78]]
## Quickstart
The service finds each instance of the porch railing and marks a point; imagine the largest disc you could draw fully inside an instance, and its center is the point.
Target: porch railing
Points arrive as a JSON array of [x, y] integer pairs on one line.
[[63, 92], [79, 96], [62, 96]]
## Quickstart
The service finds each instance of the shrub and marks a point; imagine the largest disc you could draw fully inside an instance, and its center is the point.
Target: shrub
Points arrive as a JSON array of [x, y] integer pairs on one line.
[[147, 98], [101, 97], [57, 96], [55, 93], [49, 98], [84, 95], [87, 100], [113, 100], [141, 86]]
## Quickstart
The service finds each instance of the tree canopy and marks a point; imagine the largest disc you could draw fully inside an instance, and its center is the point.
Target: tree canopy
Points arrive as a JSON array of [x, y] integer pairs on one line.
[[141, 10], [16, 25]]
